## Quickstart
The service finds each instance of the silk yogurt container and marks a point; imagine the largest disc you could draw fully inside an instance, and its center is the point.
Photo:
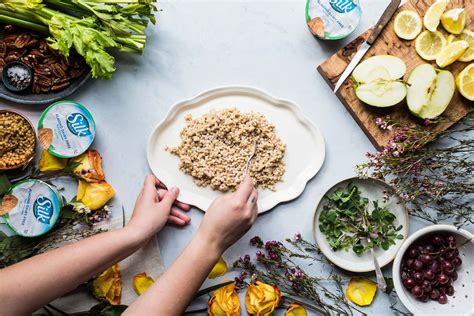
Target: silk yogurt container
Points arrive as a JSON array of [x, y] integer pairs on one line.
[[332, 19], [31, 208], [66, 129]]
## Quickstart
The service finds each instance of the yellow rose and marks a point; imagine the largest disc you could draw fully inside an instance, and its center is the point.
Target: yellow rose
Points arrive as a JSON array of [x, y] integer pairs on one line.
[[94, 194], [141, 283], [89, 166], [262, 299], [295, 310], [224, 302], [107, 286], [49, 162], [219, 269]]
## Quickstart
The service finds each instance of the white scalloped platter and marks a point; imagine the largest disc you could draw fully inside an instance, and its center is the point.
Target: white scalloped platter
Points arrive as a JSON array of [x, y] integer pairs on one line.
[[303, 158]]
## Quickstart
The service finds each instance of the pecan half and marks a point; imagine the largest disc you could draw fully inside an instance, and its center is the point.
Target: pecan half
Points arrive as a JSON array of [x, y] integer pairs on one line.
[[3, 49], [22, 40], [61, 86], [42, 81], [58, 70]]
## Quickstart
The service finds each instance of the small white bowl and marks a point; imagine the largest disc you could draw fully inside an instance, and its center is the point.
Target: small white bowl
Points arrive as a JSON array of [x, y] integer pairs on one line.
[[462, 302]]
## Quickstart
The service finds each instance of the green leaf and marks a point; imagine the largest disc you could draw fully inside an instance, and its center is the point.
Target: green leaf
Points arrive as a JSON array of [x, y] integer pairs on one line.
[[212, 288], [390, 285], [5, 184], [104, 309]]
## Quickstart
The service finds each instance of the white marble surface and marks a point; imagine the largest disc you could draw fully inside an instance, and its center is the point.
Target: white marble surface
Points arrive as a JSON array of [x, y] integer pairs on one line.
[[199, 45]]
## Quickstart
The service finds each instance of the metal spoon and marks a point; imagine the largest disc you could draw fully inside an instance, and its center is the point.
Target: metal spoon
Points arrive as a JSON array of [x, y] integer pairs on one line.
[[381, 284], [252, 154]]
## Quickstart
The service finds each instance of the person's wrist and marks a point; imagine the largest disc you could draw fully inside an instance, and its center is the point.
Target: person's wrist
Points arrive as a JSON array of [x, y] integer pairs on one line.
[[212, 244], [135, 235]]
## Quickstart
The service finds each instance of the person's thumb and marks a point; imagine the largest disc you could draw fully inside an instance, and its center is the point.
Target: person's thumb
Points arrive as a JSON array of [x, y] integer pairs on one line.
[[169, 198]]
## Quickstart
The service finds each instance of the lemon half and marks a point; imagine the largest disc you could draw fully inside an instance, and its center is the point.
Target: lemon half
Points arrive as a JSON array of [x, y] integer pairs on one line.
[[451, 53], [407, 24], [465, 82], [429, 44]]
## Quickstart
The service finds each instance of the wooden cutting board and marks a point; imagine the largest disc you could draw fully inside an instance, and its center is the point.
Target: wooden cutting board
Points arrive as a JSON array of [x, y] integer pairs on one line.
[[389, 43]]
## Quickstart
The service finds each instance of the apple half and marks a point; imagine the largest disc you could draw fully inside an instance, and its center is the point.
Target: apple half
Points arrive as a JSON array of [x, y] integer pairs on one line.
[[429, 91], [377, 81]]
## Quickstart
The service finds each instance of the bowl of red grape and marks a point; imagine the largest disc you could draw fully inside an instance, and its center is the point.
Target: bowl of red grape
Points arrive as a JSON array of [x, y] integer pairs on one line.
[[433, 271]]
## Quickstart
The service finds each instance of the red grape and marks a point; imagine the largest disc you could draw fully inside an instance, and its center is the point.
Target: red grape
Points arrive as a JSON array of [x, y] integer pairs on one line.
[[450, 290], [417, 291], [435, 267], [409, 283], [426, 285], [434, 294], [442, 299], [437, 240], [447, 266], [454, 275], [457, 262], [413, 253], [418, 277], [417, 265], [426, 258], [428, 274], [443, 278]]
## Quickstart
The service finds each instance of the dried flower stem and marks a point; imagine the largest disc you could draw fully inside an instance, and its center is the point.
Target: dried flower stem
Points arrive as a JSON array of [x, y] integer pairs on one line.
[[435, 180], [275, 265]]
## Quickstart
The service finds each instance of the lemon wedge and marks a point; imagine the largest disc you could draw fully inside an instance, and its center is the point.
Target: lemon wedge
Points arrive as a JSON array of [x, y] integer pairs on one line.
[[467, 36], [454, 20], [465, 82], [407, 24], [451, 53], [429, 44], [433, 14]]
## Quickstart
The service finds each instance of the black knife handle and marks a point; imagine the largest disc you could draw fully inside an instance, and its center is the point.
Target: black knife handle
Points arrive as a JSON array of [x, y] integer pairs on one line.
[[383, 21]]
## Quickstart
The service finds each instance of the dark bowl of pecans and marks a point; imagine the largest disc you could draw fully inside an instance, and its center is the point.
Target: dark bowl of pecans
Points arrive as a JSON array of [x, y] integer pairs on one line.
[[17, 141], [54, 76]]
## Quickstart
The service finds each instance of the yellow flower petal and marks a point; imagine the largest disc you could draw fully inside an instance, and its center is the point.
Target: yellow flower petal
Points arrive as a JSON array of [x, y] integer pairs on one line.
[[219, 269], [361, 291], [49, 162], [89, 166], [262, 299], [224, 302], [94, 194], [295, 310], [141, 283], [107, 286]]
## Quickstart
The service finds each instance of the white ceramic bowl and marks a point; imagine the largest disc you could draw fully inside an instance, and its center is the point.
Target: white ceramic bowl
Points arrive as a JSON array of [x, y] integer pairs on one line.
[[373, 189], [462, 302]]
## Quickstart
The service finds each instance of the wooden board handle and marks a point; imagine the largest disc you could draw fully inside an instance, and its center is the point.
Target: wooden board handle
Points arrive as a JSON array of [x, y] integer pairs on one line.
[[383, 21]]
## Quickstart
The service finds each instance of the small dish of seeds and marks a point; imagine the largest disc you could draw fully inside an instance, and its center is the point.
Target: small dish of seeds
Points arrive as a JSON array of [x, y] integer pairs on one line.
[[17, 76], [17, 140]]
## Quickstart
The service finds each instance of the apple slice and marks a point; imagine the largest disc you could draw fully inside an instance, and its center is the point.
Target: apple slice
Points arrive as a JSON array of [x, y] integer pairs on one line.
[[395, 66], [429, 91], [376, 81]]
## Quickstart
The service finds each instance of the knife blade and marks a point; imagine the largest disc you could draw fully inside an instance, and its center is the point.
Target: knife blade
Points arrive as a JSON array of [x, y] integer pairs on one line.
[[383, 21]]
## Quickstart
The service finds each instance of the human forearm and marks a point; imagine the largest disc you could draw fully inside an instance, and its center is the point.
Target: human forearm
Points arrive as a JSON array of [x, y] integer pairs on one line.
[[185, 276], [39, 280]]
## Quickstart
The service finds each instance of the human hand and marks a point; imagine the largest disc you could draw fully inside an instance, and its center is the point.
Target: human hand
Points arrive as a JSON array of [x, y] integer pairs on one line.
[[230, 216], [156, 206]]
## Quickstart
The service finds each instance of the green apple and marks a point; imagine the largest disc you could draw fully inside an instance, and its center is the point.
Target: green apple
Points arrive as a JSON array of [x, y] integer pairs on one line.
[[429, 91], [377, 81]]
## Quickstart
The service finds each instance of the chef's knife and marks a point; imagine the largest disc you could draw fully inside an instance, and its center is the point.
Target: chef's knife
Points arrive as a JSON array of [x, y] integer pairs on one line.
[[383, 21]]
